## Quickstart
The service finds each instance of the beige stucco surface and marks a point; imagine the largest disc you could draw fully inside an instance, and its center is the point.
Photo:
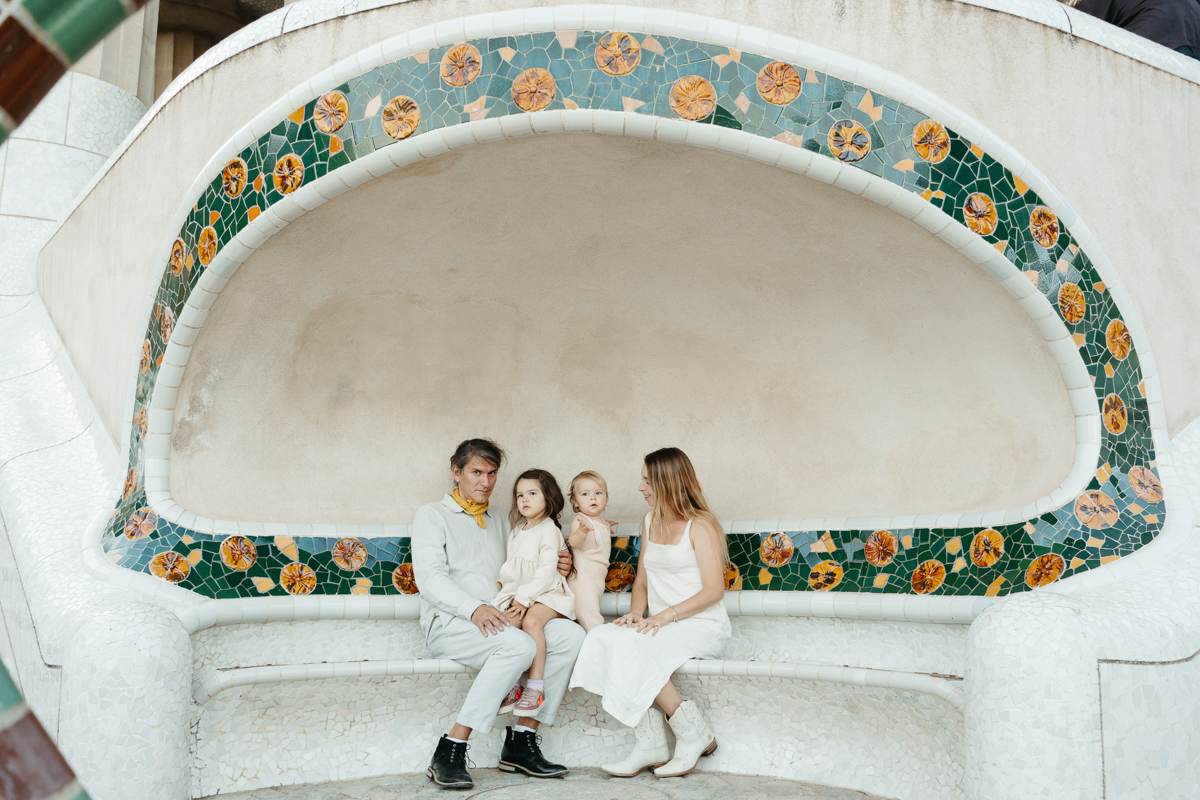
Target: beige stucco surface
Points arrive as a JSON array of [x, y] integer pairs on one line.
[[1082, 113], [585, 299]]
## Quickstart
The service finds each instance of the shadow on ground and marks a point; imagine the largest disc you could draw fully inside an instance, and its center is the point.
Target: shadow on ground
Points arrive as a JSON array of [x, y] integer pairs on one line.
[[581, 784]]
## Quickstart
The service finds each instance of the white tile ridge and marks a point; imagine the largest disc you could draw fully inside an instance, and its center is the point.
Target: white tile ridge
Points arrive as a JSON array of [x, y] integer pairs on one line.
[[462, 135], [200, 613], [211, 682]]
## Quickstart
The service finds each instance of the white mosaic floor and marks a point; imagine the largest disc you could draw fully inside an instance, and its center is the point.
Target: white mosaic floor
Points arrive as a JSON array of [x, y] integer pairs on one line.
[[586, 784]]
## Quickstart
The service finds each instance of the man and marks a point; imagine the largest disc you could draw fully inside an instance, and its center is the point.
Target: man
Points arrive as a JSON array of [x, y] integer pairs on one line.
[[458, 547]]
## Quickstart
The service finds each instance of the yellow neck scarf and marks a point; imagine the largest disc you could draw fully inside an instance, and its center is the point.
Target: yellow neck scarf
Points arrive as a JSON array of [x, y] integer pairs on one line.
[[471, 507]]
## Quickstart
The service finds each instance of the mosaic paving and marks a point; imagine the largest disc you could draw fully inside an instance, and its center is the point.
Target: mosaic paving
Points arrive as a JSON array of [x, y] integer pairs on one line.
[[1121, 510]]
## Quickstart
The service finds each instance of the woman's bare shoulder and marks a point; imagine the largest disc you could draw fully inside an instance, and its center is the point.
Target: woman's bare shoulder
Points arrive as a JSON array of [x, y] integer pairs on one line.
[[703, 529]]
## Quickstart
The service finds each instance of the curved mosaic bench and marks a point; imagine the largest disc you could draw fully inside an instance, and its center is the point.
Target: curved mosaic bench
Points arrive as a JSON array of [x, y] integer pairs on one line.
[[695, 81]]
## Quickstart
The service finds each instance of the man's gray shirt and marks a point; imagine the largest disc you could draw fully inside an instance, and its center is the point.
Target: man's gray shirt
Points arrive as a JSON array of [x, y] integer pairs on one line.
[[456, 563]]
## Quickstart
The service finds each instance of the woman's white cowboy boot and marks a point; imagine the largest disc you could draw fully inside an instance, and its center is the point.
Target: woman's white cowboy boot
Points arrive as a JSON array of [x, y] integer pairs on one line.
[[650, 749], [692, 740]]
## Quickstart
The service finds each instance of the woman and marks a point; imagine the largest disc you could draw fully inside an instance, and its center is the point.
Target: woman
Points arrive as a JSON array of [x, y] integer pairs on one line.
[[681, 582]]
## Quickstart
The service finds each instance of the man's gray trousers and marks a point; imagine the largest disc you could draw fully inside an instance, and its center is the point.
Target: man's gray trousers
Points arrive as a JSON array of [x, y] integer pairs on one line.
[[500, 659]]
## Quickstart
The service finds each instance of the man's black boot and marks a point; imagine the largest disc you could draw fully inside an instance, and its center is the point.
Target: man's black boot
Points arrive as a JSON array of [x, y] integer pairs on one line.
[[448, 769], [522, 754]]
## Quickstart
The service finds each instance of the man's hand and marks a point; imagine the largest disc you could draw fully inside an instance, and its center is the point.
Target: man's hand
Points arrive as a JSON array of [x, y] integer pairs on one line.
[[489, 620], [564, 562], [516, 612]]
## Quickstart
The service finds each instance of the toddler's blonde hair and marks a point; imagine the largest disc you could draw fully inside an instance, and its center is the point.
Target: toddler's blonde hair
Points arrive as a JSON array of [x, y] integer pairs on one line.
[[589, 475]]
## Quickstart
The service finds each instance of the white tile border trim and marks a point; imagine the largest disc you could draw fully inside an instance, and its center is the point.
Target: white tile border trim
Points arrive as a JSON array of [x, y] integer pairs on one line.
[[210, 683], [676, 131]]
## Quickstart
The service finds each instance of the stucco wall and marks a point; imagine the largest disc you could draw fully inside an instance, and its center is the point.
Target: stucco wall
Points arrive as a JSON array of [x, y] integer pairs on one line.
[[559, 294], [1006, 71]]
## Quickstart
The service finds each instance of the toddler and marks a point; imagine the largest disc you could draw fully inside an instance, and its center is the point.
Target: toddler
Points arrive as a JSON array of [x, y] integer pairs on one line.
[[531, 591], [590, 543]]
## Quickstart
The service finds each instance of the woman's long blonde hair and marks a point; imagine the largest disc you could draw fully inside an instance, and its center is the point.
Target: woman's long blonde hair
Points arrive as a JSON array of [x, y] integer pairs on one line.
[[677, 492]]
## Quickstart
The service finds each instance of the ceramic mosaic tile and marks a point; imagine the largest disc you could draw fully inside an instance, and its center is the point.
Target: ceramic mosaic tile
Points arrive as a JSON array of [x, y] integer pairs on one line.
[[1120, 511]]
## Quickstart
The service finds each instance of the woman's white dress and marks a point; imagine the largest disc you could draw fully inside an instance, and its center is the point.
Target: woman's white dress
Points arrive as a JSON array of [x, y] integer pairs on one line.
[[530, 572], [628, 669]]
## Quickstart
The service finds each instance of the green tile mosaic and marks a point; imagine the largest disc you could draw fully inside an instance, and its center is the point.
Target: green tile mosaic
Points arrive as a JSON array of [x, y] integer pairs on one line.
[[76, 25], [1121, 510]]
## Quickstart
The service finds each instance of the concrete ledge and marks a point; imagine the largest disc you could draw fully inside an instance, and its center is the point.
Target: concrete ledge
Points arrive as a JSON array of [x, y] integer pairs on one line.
[[210, 683]]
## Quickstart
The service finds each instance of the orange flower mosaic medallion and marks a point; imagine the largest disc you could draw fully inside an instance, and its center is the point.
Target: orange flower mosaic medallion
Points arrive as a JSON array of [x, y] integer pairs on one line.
[[1044, 570], [400, 117], [733, 576], [824, 576], [617, 53], [403, 580], [1096, 510], [881, 547], [692, 97], [1044, 226], [288, 174], [297, 578], [928, 576], [330, 112], [233, 177], [144, 364], [238, 553], [931, 141], [1117, 337], [986, 547], [979, 212], [178, 255], [140, 421], [1071, 303], [461, 65], [207, 247], [1114, 414], [849, 141], [776, 549], [141, 524], [619, 578], [349, 554], [170, 566], [1145, 484], [779, 83], [533, 89], [130, 484], [166, 323]]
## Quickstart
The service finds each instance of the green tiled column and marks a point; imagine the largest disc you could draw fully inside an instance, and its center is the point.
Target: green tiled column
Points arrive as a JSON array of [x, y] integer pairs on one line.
[[31, 768], [39, 39]]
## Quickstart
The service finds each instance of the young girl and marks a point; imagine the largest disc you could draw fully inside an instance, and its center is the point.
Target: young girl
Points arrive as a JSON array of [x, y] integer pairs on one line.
[[590, 539], [531, 591]]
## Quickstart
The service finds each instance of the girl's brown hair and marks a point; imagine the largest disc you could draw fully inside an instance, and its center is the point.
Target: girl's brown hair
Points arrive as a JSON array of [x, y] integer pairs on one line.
[[586, 475], [677, 492], [550, 490]]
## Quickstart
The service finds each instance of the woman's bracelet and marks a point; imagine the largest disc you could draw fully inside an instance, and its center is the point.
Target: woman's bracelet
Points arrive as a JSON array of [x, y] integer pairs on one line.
[[674, 611]]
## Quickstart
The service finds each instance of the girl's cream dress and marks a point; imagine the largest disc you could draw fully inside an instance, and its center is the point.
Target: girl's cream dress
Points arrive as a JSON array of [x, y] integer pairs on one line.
[[591, 568], [530, 573]]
